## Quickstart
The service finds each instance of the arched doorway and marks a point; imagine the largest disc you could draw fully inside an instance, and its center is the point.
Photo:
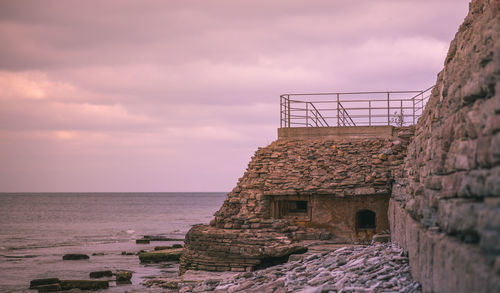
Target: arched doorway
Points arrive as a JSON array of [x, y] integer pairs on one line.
[[365, 226], [365, 219]]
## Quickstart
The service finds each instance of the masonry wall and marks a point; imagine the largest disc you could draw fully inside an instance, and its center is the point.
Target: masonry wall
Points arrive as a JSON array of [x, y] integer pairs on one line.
[[445, 210], [338, 215], [331, 170]]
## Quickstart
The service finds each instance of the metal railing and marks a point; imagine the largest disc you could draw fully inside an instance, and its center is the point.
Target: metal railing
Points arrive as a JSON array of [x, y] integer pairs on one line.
[[398, 108]]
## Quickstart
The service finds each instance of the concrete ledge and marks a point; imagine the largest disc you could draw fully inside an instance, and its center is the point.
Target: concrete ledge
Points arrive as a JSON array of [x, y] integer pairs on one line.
[[351, 132]]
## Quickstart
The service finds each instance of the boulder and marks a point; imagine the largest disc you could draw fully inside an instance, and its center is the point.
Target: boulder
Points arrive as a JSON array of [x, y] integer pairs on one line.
[[123, 276], [100, 274], [34, 284], [84, 284], [75, 256], [161, 255]]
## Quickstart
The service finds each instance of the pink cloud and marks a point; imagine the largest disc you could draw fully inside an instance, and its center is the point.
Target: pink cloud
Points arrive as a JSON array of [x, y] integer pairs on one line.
[[176, 95]]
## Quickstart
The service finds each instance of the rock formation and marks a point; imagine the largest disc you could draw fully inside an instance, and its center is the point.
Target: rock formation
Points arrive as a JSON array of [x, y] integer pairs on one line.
[[445, 209]]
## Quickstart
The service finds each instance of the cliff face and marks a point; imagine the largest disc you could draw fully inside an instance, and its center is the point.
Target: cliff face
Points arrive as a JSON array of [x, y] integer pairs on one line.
[[445, 210]]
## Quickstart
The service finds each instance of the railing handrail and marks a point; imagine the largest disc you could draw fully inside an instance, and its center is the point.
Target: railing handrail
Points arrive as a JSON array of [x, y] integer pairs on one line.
[[345, 113]]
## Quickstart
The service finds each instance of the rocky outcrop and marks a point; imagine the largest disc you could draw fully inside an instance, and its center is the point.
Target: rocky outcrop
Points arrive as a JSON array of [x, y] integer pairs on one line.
[[213, 249], [446, 207]]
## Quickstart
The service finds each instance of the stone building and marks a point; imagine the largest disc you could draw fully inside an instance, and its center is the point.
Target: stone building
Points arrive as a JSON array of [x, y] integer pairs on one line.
[[326, 186]]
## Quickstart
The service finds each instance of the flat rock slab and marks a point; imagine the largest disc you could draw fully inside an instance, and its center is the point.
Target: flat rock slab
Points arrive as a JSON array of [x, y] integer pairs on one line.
[[142, 241], [161, 255], [75, 256], [34, 284], [100, 274], [84, 284], [199, 276], [161, 238], [49, 288]]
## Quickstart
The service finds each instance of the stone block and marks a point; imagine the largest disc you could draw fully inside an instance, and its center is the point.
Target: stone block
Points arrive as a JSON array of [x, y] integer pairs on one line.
[[451, 217], [161, 255]]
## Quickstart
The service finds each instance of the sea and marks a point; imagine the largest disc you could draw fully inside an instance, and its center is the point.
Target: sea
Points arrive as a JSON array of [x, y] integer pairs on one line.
[[37, 229]]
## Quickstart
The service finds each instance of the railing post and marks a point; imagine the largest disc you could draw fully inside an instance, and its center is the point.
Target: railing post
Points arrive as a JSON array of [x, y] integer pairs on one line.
[[401, 113], [413, 106], [369, 113], [388, 110], [307, 114], [338, 110], [288, 110], [281, 111]]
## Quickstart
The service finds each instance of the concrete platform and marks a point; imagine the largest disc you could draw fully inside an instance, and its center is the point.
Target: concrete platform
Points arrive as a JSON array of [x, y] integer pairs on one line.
[[350, 131]]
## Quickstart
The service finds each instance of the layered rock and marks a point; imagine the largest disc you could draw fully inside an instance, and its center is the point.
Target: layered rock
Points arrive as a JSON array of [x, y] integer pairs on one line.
[[446, 208]]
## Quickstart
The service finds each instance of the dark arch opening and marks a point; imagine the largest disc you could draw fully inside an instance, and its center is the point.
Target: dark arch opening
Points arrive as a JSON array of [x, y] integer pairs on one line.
[[365, 219]]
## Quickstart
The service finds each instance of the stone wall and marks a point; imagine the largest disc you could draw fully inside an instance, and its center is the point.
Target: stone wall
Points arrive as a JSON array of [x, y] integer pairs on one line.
[[338, 215], [330, 166], [445, 210]]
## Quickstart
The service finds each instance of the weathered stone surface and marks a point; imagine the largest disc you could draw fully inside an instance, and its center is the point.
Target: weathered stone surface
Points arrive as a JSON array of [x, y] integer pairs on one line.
[[75, 256], [442, 210], [49, 288], [171, 254], [100, 274], [316, 166], [376, 268], [39, 282], [213, 249], [83, 284], [123, 276], [142, 241], [335, 176]]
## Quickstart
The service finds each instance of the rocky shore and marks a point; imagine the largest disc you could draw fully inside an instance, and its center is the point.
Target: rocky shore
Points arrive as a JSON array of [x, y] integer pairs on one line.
[[373, 268]]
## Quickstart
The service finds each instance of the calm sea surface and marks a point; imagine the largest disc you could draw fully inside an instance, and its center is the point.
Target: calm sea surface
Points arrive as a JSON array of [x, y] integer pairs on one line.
[[36, 230]]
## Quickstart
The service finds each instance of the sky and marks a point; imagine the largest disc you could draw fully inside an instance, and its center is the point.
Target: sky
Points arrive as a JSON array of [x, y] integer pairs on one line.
[[159, 96]]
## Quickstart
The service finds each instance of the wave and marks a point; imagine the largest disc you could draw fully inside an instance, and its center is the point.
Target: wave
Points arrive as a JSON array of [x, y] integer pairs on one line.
[[19, 256]]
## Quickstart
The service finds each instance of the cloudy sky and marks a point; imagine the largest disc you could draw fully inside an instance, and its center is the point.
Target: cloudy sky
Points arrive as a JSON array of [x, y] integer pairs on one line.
[[177, 95]]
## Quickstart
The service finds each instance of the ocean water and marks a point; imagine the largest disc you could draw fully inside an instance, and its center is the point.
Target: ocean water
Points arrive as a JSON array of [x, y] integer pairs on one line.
[[36, 230]]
